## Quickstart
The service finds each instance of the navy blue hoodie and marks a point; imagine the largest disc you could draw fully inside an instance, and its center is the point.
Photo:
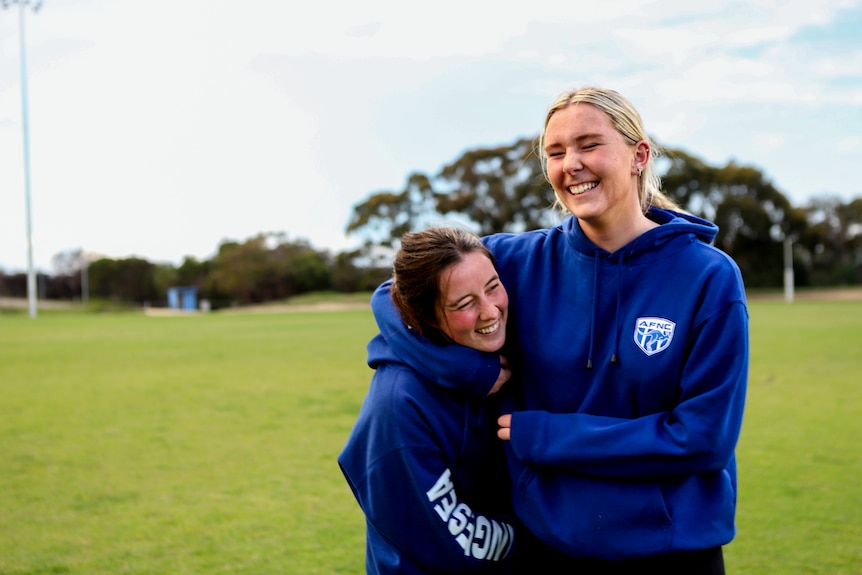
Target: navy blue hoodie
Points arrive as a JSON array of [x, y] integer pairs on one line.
[[633, 367], [428, 471]]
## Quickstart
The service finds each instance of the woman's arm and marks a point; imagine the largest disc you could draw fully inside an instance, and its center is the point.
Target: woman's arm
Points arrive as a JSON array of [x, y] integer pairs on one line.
[[417, 508], [698, 435]]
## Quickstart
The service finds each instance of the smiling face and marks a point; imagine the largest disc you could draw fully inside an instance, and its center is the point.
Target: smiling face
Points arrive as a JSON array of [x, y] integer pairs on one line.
[[473, 304], [593, 169]]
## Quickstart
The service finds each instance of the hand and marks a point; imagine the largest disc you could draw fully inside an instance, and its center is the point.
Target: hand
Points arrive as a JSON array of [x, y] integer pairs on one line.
[[505, 423], [505, 375]]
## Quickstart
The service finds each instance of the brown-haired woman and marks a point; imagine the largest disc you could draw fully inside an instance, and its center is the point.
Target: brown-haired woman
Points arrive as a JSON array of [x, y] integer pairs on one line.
[[423, 459]]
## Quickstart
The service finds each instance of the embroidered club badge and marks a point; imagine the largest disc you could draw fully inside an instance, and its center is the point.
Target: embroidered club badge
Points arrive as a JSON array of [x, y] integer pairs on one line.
[[653, 334]]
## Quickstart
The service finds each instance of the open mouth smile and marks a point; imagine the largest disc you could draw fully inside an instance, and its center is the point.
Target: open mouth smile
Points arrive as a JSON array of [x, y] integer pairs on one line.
[[581, 188], [490, 329]]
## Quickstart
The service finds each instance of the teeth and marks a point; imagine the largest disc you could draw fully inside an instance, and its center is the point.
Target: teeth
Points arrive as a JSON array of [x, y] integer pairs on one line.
[[489, 329], [575, 190]]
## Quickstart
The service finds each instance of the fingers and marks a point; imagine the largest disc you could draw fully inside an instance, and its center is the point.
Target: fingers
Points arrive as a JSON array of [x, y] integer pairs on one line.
[[504, 376], [505, 423]]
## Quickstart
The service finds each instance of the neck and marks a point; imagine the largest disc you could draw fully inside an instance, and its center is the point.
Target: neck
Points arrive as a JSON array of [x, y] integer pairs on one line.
[[614, 235]]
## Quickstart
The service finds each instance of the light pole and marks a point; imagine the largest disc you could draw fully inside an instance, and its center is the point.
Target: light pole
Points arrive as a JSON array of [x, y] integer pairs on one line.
[[788, 269], [85, 282], [25, 130]]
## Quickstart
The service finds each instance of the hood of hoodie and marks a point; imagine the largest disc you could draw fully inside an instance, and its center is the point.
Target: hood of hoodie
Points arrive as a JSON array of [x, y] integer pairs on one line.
[[673, 226], [380, 353]]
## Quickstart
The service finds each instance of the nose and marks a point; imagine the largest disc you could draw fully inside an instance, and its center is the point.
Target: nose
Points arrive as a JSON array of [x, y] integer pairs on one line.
[[487, 309], [571, 162]]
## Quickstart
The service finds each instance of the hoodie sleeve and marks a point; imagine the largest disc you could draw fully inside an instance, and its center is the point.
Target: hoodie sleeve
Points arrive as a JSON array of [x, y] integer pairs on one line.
[[450, 366], [698, 435], [411, 500]]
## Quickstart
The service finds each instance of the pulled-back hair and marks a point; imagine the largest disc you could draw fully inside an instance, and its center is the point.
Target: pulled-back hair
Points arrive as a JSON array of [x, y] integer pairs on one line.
[[625, 120], [419, 263]]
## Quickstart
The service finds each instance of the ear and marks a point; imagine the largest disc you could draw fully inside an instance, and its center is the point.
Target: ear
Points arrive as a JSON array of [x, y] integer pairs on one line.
[[641, 157]]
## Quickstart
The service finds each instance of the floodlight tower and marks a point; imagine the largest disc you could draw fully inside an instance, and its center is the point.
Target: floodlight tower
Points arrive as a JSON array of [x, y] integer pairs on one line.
[[25, 128]]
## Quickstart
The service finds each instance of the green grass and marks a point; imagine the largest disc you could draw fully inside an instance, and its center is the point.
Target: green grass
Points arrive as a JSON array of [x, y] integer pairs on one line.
[[206, 444], [800, 457], [202, 444]]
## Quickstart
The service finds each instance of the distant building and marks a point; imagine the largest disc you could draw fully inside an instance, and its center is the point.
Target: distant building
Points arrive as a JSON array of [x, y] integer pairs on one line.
[[183, 298]]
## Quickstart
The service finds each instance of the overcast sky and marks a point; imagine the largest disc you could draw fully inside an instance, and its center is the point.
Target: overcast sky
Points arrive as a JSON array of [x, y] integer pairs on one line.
[[160, 129]]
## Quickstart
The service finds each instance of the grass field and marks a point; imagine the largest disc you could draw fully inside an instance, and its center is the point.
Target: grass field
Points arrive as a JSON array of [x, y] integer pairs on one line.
[[206, 444]]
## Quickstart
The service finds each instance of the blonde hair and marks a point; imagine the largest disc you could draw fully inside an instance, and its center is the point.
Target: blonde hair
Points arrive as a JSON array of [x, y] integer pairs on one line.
[[625, 120]]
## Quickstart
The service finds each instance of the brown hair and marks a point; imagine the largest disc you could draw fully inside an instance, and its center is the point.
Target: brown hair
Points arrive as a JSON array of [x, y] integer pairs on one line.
[[419, 263]]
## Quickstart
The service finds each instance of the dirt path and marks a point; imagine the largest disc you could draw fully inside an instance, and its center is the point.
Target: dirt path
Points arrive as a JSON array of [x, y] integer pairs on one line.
[[837, 294], [24, 303]]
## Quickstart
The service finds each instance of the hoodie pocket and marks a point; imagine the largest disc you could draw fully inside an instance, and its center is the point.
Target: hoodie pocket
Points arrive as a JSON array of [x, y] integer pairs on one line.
[[595, 517]]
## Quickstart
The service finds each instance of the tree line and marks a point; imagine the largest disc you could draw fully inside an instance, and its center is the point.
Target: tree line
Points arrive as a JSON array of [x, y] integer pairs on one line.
[[490, 190], [502, 189], [267, 267]]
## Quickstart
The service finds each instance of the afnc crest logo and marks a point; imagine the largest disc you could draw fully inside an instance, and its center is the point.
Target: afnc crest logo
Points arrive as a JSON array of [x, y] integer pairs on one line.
[[653, 334]]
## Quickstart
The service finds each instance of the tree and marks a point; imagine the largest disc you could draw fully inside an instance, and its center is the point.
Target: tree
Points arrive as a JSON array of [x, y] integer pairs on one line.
[[490, 190], [348, 277], [70, 262], [238, 269], [193, 272], [130, 279], [831, 246], [500, 189], [267, 267], [503, 189], [752, 215], [301, 268], [386, 216]]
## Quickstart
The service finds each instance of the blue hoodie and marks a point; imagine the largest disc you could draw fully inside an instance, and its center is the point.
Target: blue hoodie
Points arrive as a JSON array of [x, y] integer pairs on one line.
[[633, 368], [428, 471]]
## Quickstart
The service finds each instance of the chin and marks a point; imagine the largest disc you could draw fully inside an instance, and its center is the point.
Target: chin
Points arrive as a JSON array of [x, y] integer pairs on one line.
[[495, 345]]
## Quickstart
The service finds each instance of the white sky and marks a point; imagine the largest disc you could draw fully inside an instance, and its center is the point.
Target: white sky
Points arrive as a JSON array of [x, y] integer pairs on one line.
[[162, 128]]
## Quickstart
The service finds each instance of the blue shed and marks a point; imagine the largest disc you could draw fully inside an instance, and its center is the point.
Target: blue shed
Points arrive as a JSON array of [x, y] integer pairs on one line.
[[183, 297]]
